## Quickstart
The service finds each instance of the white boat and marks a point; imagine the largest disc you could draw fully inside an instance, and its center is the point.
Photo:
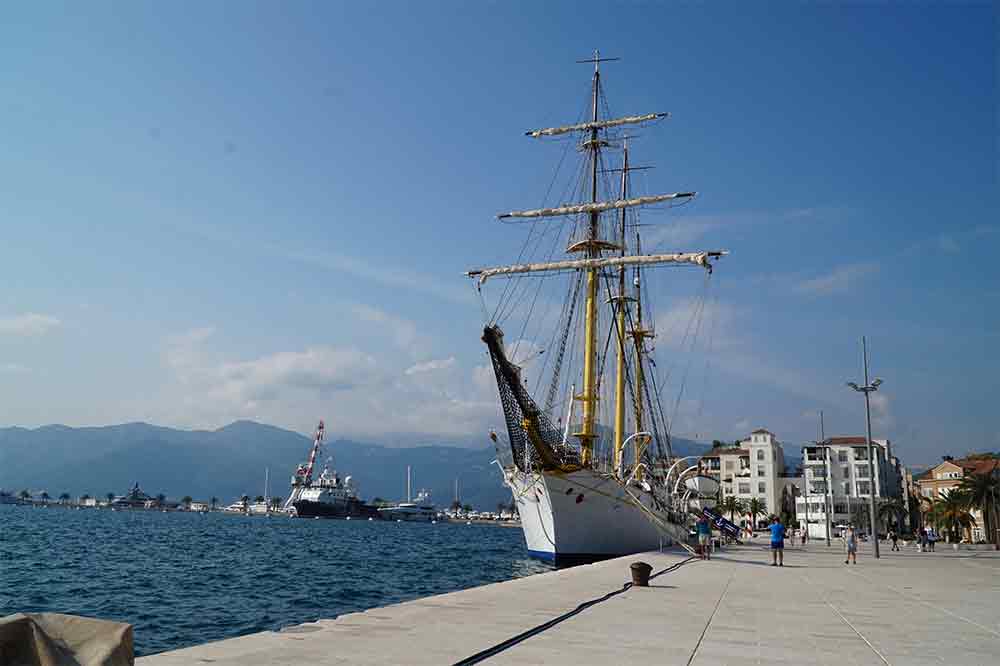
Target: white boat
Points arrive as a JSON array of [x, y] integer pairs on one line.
[[587, 489], [419, 509], [239, 506]]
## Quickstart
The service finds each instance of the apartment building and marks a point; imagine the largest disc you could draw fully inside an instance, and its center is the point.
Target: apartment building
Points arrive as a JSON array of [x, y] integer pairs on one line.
[[947, 476], [836, 477], [753, 468]]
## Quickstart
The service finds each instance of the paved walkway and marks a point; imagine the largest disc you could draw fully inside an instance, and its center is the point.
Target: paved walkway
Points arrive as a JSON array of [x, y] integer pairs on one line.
[[907, 608]]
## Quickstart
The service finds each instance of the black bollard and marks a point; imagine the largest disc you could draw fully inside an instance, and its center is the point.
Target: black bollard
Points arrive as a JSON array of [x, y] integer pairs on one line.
[[640, 574]]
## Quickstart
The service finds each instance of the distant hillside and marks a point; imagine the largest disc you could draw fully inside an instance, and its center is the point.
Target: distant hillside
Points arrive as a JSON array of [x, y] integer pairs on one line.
[[229, 462]]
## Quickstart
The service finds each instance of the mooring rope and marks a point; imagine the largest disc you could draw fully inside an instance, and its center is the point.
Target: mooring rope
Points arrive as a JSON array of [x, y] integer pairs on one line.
[[523, 636]]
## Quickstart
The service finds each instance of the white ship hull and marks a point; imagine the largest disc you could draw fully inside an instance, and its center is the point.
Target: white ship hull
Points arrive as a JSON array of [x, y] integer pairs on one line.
[[581, 516]]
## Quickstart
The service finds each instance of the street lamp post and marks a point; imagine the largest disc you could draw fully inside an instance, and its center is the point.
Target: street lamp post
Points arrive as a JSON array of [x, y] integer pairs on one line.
[[869, 387]]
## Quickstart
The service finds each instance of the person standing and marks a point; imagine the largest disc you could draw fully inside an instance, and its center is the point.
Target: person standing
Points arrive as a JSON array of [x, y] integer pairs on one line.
[[850, 537], [705, 537], [777, 542], [894, 538]]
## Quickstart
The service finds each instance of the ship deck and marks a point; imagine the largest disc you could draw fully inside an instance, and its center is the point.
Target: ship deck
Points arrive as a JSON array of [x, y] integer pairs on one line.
[[907, 608]]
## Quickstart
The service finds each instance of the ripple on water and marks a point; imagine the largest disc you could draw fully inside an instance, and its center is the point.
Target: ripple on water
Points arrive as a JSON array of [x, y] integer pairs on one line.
[[184, 579]]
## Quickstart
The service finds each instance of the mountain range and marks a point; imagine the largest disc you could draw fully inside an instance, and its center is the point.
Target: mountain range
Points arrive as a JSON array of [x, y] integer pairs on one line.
[[231, 461]]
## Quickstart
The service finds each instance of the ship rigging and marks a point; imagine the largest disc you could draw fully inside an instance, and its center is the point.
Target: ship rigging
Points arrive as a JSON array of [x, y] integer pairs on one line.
[[593, 486]]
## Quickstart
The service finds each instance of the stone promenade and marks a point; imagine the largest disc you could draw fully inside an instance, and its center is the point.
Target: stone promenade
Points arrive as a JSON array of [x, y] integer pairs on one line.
[[906, 608]]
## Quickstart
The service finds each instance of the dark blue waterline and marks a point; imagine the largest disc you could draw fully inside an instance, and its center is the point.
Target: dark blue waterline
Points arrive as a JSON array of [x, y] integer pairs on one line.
[[183, 579]]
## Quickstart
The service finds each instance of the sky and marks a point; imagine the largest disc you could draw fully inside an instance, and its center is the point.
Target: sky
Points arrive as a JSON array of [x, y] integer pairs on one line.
[[212, 211]]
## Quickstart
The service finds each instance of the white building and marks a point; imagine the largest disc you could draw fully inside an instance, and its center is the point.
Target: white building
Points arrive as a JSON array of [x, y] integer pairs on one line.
[[753, 469], [836, 477]]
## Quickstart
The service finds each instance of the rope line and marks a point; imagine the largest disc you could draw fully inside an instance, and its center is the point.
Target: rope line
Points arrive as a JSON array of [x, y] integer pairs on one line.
[[545, 626]]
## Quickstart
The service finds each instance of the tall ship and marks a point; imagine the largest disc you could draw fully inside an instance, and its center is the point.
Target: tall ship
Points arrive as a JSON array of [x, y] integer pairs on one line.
[[587, 448], [328, 496]]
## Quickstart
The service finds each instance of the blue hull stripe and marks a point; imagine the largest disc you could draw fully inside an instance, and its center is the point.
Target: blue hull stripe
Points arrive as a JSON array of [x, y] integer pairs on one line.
[[568, 558]]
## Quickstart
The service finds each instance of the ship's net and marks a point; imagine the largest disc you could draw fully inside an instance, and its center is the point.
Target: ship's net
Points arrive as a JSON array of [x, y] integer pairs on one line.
[[535, 441]]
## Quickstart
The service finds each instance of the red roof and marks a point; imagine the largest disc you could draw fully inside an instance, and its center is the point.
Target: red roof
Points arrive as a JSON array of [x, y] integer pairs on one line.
[[842, 441], [978, 465]]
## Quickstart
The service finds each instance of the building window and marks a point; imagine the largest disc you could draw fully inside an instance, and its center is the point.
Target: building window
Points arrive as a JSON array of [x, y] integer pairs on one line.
[[760, 454], [842, 456], [860, 453], [845, 472], [847, 487], [762, 488], [864, 488], [840, 508], [760, 470], [861, 471], [744, 489]]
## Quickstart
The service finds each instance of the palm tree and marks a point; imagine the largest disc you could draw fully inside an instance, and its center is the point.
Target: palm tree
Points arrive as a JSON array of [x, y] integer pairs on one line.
[[259, 499], [160, 499], [63, 498], [244, 500], [860, 517], [276, 503], [213, 502], [732, 505], [25, 495], [889, 509], [110, 497], [45, 497], [186, 501], [755, 507], [983, 492], [951, 513]]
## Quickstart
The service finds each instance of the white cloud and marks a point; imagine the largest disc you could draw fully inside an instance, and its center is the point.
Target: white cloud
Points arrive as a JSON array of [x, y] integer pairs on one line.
[[706, 319], [374, 396], [882, 417], [13, 368], [840, 279], [431, 366], [402, 332], [28, 324]]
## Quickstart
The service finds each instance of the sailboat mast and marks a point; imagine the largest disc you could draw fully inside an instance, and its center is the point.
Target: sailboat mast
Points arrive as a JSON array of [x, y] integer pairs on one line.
[[620, 333], [589, 395]]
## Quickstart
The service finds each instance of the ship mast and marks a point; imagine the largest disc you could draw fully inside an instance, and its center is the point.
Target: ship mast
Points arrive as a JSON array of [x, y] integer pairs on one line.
[[589, 395], [620, 333], [639, 335]]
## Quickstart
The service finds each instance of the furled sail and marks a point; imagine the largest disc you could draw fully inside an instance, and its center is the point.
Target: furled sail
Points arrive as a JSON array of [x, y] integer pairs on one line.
[[597, 207], [597, 124], [695, 258]]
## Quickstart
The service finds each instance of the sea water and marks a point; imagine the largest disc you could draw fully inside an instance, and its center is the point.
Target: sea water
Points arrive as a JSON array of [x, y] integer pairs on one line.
[[186, 578]]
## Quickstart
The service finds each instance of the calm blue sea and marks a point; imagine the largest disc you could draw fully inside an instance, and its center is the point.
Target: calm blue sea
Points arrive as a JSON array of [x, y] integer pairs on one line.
[[183, 579]]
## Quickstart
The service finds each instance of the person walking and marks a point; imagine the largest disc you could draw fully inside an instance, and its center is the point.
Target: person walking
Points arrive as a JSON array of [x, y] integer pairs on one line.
[[922, 540], [704, 537], [850, 537], [894, 538], [777, 542], [932, 538]]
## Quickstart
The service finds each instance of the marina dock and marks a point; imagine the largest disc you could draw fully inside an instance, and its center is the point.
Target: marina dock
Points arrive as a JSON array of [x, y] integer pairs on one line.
[[907, 608]]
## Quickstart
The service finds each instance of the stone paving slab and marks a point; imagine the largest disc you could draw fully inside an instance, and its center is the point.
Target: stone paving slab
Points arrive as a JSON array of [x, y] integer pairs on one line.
[[906, 608]]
